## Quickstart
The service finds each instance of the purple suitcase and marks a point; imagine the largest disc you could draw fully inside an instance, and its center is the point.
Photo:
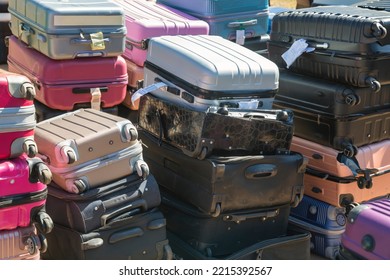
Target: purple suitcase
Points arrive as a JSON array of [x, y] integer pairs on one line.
[[367, 230]]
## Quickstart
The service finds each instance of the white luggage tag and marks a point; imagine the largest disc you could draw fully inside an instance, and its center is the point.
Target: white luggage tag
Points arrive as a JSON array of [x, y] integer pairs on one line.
[[96, 97], [142, 91], [296, 50]]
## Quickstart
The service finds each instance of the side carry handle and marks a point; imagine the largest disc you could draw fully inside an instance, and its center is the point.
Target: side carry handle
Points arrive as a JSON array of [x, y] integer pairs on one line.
[[130, 209], [236, 24], [237, 218], [260, 171]]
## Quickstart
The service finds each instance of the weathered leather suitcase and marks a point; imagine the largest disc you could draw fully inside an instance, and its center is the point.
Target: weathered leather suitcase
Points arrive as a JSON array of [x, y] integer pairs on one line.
[[87, 148], [220, 184], [139, 237], [200, 134], [97, 207]]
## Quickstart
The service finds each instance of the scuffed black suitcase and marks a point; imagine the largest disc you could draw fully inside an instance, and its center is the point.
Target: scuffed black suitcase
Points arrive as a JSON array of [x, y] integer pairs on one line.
[[139, 237], [326, 97], [5, 31], [225, 131], [220, 184], [227, 233], [97, 207]]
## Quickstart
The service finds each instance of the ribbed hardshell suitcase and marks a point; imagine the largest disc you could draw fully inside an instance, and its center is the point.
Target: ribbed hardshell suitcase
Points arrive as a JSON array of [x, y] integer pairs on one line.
[[325, 222], [342, 191], [69, 29], [325, 159], [95, 208], [200, 71], [367, 230], [345, 134], [327, 97], [135, 74], [62, 84], [5, 31], [87, 148], [227, 233], [17, 116], [338, 28], [220, 184], [148, 19], [22, 243], [139, 237], [23, 193], [216, 131]]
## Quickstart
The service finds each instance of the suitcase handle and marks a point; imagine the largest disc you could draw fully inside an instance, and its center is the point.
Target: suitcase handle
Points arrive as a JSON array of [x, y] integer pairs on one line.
[[92, 244], [125, 234], [129, 210], [236, 24], [237, 218], [260, 171], [86, 41]]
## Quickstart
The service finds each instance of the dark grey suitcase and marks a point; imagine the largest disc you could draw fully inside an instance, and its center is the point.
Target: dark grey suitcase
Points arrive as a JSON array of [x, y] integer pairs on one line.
[[220, 184], [5, 31]]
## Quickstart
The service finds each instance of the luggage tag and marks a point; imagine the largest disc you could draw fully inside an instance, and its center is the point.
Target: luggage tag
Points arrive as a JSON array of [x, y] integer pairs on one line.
[[240, 36], [97, 41], [142, 91], [95, 98], [296, 50]]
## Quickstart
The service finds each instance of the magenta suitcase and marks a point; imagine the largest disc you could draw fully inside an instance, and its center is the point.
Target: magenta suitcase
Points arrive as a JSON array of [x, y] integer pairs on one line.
[[17, 116], [22, 243], [147, 19], [23, 193], [61, 84], [367, 230]]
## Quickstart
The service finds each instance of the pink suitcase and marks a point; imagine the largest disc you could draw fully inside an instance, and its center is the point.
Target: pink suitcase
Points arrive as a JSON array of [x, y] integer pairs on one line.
[[61, 84], [22, 243], [367, 230], [23, 193], [135, 82], [17, 116], [147, 19]]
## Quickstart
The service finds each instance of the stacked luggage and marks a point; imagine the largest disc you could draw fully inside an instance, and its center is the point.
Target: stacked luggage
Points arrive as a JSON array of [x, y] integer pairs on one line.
[[220, 154], [103, 201], [72, 57], [23, 176], [337, 87]]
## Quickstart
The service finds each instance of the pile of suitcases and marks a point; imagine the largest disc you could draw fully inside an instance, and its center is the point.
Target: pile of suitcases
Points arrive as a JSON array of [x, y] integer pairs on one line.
[[220, 154], [23, 176], [338, 89]]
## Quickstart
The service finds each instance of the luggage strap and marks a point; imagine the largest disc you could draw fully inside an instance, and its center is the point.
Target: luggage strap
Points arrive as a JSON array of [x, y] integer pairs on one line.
[[96, 98]]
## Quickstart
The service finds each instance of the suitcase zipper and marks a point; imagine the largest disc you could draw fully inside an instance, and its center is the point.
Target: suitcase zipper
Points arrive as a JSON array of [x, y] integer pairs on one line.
[[25, 198]]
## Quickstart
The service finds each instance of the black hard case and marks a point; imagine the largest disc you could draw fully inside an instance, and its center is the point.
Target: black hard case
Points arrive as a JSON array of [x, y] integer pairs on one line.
[[227, 233], [341, 133], [4, 32], [220, 184], [139, 237], [326, 97], [334, 28], [96, 207], [200, 133]]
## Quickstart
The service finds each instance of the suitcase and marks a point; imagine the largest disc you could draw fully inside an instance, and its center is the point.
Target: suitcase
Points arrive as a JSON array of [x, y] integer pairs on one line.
[[139, 237], [330, 98], [87, 148], [66, 30], [23, 194], [220, 184], [295, 245], [17, 116], [367, 71], [135, 75], [346, 134], [62, 84], [5, 31], [95, 208], [148, 19], [200, 71], [342, 191], [367, 229], [325, 222], [325, 159], [22, 243], [338, 29], [200, 134], [227, 233]]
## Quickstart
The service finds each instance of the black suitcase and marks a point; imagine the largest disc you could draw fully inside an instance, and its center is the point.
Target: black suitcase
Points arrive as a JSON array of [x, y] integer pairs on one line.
[[338, 28], [352, 69], [219, 184], [295, 245], [223, 132], [5, 31], [329, 98], [227, 233], [345, 134], [97, 207], [139, 237]]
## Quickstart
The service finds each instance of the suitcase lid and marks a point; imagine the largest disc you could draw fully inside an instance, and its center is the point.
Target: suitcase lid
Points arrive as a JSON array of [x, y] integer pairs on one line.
[[212, 63]]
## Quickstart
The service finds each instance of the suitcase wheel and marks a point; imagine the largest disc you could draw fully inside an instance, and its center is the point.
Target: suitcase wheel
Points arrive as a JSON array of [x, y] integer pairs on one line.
[[43, 241], [283, 116], [296, 201], [217, 211], [351, 99], [71, 156], [130, 132], [378, 30], [44, 174], [44, 223], [30, 148], [373, 84], [80, 186], [350, 150], [349, 207], [32, 244], [28, 91], [203, 153], [168, 253], [363, 183]]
